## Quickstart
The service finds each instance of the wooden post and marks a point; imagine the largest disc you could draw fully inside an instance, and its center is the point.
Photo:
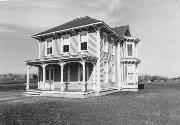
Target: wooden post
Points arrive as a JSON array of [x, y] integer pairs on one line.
[[94, 80], [84, 80], [98, 89], [119, 65], [27, 77], [62, 82], [44, 76]]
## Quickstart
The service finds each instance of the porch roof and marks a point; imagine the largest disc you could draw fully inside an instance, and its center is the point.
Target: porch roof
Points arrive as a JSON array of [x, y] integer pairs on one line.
[[130, 60], [62, 58]]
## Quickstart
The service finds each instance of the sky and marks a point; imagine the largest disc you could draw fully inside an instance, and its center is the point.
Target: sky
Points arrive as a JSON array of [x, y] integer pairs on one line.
[[155, 22]]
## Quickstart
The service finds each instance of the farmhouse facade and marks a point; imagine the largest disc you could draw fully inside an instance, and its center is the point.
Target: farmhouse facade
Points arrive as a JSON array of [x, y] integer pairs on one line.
[[86, 55]]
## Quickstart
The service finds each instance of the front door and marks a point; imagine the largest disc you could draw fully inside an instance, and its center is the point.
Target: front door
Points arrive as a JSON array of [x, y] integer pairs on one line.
[[49, 79]]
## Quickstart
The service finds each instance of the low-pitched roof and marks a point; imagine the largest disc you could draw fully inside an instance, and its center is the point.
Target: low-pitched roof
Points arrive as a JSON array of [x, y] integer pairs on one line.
[[82, 21], [74, 23]]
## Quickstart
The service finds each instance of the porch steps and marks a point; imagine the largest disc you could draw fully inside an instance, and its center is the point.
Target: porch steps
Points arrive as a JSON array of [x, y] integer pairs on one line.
[[33, 93]]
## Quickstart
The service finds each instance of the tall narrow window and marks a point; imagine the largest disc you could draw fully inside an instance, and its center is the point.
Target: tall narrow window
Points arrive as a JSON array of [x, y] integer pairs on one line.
[[129, 49], [65, 74], [49, 47], [113, 46], [105, 42], [106, 71], [66, 44], [83, 41], [113, 75], [131, 71], [81, 73]]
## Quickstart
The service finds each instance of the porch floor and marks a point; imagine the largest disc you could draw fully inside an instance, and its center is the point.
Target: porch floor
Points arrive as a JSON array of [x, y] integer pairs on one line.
[[69, 93]]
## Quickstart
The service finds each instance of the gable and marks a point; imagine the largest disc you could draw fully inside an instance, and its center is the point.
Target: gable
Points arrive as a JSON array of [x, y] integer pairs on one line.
[[122, 30]]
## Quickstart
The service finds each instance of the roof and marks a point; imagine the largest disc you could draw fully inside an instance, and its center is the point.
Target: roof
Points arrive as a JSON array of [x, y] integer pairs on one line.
[[74, 23], [65, 58], [121, 30]]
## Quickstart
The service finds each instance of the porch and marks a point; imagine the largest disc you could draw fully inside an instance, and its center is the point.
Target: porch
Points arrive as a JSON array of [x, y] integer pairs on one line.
[[72, 73]]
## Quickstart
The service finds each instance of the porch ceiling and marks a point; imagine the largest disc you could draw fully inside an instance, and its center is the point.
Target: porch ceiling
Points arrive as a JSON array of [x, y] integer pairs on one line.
[[62, 58]]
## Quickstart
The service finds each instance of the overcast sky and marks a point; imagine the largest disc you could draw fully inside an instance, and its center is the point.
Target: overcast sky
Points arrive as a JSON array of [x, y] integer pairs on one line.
[[155, 22]]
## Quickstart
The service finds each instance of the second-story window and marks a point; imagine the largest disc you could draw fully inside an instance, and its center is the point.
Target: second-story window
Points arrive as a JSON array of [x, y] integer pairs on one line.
[[105, 42], [129, 49], [113, 47], [49, 47], [83, 41], [66, 44]]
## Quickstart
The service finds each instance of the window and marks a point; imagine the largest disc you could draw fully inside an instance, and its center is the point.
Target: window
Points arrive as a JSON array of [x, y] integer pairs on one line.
[[113, 75], [81, 73], [105, 42], [113, 46], [129, 49], [130, 75], [65, 74], [66, 44], [106, 71], [49, 47], [49, 74], [83, 41]]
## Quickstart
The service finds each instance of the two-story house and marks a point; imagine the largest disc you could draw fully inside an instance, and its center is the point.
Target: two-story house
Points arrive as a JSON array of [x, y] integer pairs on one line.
[[86, 55]]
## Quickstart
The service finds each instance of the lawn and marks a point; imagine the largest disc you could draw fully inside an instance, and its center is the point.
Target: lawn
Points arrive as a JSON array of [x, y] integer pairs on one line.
[[157, 104]]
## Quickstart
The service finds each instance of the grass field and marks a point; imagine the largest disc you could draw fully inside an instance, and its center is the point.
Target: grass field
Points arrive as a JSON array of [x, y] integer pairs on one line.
[[9, 85], [157, 104]]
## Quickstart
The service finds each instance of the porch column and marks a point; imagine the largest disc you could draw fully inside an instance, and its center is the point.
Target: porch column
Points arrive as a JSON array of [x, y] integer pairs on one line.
[[27, 77], [84, 80], [94, 77], [98, 82], [62, 82], [44, 76], [119, 65]]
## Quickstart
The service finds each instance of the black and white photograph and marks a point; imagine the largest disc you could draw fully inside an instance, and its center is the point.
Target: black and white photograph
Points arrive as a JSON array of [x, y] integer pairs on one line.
[[89, 62]]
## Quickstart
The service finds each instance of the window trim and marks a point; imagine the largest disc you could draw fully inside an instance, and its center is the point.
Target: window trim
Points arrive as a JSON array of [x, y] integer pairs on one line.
[[79, 40], [62, 45], [46, 42]]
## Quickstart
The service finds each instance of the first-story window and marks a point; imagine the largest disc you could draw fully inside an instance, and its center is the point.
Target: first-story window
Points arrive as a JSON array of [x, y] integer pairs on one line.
[[49, 47], [66, 44], [113, 74], [130, 72], [83, 41], [65, 74], [49, 74], [106, 71], [130, 76]]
